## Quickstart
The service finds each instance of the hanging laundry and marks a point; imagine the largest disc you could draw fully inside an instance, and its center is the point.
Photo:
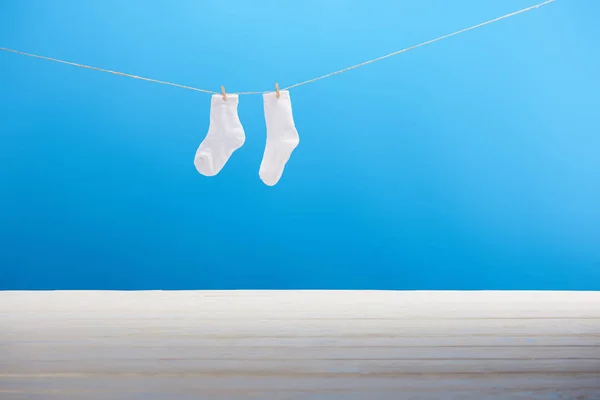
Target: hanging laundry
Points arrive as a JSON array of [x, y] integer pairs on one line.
[[225, 135], [282, 136]]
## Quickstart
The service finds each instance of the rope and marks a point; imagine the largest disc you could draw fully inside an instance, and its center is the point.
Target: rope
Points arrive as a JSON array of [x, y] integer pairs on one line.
[[107, 70], [296, 84], [419, 45]]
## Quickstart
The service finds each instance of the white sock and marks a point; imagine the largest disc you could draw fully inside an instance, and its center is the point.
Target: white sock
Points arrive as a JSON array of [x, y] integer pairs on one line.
[[225, 135], [282, 136]]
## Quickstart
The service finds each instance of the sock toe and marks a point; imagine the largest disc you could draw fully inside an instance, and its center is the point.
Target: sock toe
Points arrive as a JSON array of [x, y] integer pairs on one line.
[[270, 177], [204, 163]]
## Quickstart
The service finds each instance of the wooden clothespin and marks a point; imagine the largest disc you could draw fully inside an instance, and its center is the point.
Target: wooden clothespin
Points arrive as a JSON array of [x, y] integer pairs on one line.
[[224, 94], [277, 89]]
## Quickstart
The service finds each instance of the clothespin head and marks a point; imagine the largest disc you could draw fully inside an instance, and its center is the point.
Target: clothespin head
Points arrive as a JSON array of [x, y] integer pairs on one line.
[[224, 94], [277, 89]]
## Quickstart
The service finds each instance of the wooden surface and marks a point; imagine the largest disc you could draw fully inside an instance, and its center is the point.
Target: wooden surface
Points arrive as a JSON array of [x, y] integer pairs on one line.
[[299, 345]]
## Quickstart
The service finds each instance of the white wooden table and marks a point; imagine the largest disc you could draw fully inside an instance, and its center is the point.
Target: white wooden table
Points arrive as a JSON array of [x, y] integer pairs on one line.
[[299, 345]]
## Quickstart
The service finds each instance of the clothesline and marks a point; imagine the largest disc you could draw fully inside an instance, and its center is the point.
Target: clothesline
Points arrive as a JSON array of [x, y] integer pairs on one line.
[[296, 84]]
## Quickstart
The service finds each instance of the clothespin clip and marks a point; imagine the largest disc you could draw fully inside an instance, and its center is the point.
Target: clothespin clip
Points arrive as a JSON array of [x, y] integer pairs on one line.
[[224, 94], [277, 89]]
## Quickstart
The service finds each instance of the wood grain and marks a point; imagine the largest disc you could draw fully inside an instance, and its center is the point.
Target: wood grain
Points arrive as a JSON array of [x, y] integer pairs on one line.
[[299, 345]]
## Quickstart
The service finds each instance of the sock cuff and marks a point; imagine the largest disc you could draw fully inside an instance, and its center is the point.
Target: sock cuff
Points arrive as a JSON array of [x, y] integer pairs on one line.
[[272, 96], [218, 100]]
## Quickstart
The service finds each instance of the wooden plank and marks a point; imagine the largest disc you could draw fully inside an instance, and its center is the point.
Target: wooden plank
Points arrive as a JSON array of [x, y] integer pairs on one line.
[[299, 345]]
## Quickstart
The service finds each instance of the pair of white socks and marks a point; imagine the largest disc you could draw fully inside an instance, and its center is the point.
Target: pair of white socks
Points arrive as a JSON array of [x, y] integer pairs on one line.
[[226, 135]]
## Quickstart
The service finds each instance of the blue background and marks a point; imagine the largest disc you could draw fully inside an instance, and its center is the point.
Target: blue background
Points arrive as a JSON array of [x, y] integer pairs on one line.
[[472, 163]]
